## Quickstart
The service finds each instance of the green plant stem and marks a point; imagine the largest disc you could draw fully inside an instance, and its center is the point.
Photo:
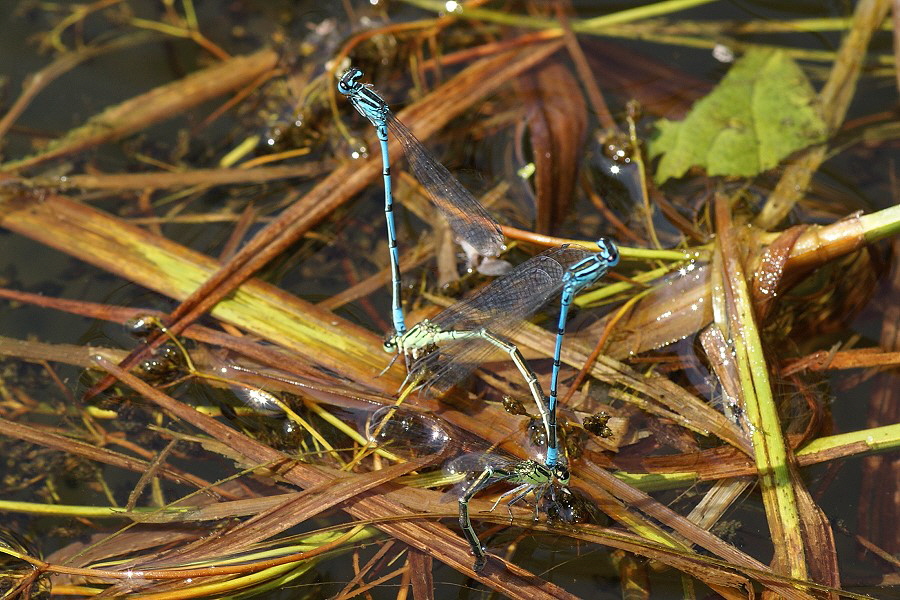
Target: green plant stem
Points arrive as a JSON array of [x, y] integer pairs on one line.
[[881, 224], [627, 252], [578, 25], [611, 290], [715, 28], [642, 12], [638, 23], [823, 449], [769, 445], [876, 439], [89, 512]]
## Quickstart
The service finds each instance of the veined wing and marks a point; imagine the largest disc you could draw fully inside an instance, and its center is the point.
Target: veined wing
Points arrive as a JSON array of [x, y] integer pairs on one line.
[[509, 299], [476, 462], [513, 298], [453, 361], [466, 216], [499, 308]]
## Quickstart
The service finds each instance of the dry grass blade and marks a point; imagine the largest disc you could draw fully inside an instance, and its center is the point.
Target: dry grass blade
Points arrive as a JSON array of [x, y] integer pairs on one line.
[[91, 452], [91, 310], [834, 100], [420, 565], [62, 65], [719, 353], [597, 102], [184, 179], [433, 538], [171, 269], [62, 353], [767, 279], [847, 359], [281, 516], [818, 538], [161, 103], [683, 527]]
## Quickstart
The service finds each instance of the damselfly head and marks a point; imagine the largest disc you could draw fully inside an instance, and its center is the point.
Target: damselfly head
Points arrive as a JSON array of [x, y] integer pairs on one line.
[[348, 81], [609, 251], [561, 473], [390, 344]]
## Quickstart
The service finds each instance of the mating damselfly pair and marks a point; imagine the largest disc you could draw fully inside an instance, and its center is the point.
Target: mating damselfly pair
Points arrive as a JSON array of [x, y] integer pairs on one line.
[[441, 351]]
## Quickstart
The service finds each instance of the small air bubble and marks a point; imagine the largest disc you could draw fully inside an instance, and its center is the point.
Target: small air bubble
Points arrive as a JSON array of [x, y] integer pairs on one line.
[[723, 53]]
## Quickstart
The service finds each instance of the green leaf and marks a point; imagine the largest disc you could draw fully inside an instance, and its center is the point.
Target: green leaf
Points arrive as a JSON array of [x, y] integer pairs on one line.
[[762, 111]]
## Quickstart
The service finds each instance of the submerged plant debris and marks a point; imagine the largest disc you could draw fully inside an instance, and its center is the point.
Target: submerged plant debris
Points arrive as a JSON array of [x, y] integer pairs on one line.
[[195, 400]]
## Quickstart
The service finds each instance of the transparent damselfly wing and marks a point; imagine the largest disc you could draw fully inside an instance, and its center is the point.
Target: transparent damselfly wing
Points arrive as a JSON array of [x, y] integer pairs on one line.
[[466, 216], [500, 308]]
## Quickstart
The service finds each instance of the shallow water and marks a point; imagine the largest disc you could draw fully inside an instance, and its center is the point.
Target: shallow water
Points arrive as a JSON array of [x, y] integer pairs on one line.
[[349, 246]]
